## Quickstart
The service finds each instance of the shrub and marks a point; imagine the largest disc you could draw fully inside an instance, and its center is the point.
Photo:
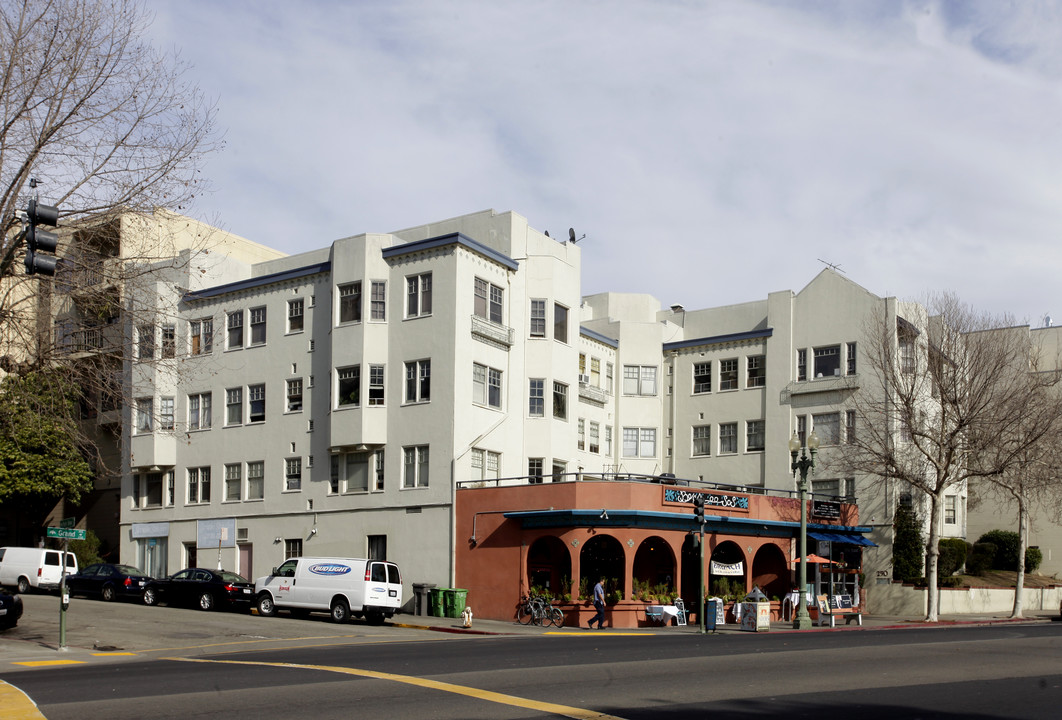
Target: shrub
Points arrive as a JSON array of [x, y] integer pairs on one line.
[[952, 556], [980, 559], [1006, 542], [87, 551], [1033, 558], [908, 548]]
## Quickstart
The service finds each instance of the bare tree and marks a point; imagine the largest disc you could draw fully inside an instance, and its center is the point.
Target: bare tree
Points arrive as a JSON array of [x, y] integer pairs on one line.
[[951, 388]]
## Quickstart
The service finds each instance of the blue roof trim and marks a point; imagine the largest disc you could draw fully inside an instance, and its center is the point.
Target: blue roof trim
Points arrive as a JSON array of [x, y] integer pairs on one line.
[[239, 285], [732, 337], [455, 238], [599, 337]]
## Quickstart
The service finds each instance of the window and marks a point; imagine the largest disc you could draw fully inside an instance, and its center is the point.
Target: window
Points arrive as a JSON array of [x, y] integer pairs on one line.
[[802, 429], [171, 490], [559, 469], [486, 386], [144, 410], [538, 318], [256, 403], [485, 464], [235, 329], [610, 378], [595, 371], [418, 295], [639, 442], [379, 471], [169, 341], [198, 485], [536, 401], [350, 303], [950, 503], [534, 470], [378, 300], [153, 490], [415, 467], [351, 471], [581, 434], [728, 374], [145, 342], [333, 486], [850, 359], [293, 474], [849, 426], [608, 439], [166, 413], [827, 361], [202, 332], [258, 326], [828, 427], [294, 394], [702, 440], [639, 380], [757, 371], [802, 364], [418, 381], [377, 550], [595, 437], [560, 401], [560, 323], [487, 303], [292, 548], [255, 480], [234, 406], [754, 435], [702, 377], [907, 354], [376, 385], [727, 438], [349, 393], [836, 487], [233, 482], [295, 310]]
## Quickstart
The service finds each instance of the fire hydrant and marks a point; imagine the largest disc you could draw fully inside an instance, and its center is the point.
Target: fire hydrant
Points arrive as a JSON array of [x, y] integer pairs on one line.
[[466, 616]]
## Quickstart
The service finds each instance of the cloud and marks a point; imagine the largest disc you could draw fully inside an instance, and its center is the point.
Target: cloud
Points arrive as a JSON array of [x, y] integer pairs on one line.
[[711, 152]]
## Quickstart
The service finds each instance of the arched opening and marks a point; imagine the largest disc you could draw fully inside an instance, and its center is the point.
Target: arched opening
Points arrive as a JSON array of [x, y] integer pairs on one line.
[[549, 567], [727, 571], [654, 571], [770, 572], [602, 557], [691, 572]]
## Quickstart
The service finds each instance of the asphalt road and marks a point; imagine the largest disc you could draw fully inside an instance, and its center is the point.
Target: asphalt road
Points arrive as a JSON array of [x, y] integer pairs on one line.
[[998, 671]]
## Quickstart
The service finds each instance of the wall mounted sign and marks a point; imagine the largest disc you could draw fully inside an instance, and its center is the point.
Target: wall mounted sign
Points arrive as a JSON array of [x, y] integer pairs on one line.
[[718, 500]]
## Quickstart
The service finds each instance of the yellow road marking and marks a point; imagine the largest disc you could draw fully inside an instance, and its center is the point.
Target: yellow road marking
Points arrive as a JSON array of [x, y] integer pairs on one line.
[[599, 634], [45, 663], [111, 654], [545, 707], [17, 705]]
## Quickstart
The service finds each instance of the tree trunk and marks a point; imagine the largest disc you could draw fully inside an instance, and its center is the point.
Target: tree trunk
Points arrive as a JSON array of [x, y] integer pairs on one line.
[[932, 555], [1019, 586]]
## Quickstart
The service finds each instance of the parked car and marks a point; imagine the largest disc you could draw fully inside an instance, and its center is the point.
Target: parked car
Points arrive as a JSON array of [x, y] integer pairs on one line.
[[27, 568], [202, 588], [10, 609], [108, 581], [340, 586]]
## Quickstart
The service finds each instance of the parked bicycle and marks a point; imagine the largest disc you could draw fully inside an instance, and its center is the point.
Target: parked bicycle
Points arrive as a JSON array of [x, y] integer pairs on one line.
[[537, 610]]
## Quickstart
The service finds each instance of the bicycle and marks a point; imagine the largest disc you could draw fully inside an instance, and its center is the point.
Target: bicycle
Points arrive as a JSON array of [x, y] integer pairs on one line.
[[536, 610]]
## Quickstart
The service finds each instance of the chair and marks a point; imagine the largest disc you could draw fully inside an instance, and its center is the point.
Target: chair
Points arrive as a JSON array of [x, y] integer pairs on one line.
[[681, 607]]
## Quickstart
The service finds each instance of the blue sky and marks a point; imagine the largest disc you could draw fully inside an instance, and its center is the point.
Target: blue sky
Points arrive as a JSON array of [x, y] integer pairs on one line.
[[712, 152]]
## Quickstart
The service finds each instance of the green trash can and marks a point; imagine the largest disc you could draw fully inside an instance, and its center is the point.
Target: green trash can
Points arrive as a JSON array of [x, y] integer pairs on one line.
[[437, 602], [455, 604]]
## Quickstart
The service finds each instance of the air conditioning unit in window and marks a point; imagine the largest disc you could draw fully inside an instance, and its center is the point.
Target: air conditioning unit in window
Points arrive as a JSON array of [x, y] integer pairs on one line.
[[584, 379], [241, 533]]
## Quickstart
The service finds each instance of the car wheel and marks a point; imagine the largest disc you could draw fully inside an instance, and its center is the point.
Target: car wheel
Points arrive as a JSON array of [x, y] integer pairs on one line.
[[266, 607], [108, 593], [150, 596], [23, 585], [340, 611], [206, 601]]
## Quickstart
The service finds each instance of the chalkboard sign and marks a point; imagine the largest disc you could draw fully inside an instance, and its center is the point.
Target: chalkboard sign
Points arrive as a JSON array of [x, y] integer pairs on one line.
[[826, 509]]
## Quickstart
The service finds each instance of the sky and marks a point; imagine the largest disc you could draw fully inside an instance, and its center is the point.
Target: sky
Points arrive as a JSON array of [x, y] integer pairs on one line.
[[711, 152]]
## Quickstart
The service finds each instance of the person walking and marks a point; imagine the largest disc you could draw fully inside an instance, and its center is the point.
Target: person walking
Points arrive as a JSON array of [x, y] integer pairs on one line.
[[599, 605]]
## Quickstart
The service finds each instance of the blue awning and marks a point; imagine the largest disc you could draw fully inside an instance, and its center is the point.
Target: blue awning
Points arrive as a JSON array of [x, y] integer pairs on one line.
[[847, 538]]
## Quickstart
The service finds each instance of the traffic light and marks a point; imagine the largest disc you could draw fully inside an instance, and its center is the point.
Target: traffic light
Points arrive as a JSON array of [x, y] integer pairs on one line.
[[41, 241], [698, 508]]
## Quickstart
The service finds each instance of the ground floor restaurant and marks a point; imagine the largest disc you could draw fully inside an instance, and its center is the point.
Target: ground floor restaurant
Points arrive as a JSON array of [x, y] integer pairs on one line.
[[643, 539]]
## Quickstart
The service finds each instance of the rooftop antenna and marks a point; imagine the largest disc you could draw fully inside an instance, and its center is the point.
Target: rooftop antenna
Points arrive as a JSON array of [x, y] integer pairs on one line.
[[831, 266], [571, 236]]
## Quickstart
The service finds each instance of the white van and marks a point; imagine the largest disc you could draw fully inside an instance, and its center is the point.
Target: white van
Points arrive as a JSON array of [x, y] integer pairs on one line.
[[341, 586], [27, 568]]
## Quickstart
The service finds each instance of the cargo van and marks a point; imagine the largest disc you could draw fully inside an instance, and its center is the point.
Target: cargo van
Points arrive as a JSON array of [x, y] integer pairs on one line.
[[26, 568], [340, 586]]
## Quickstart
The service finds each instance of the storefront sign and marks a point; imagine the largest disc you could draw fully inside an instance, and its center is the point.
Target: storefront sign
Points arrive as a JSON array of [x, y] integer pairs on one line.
[[729, 502], [826, 509], [216, 533], [150, 530], [730, 569]]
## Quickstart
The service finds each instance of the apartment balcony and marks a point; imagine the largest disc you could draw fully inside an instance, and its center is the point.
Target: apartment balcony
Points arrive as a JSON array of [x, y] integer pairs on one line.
[[492, 333], [153, 449], [592, 393], [836, 383], [355, 426]]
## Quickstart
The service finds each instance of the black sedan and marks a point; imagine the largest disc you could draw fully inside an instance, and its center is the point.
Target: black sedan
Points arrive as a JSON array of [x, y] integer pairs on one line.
[[10, 609], [108, 581], [205, 589]]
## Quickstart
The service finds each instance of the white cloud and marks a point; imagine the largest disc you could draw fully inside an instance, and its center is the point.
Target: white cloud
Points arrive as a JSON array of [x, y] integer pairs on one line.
[[711, 152]]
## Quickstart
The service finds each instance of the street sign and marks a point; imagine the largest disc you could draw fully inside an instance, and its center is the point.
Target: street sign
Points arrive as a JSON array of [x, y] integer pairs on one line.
[[66, 533], [68, 522]]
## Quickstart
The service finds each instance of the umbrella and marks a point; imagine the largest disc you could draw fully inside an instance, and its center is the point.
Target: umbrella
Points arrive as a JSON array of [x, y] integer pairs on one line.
[[813, 558]]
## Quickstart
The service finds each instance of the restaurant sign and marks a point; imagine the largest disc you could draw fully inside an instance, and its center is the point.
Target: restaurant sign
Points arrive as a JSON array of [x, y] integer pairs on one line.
[[826, 509], [686, 497], [729, 569]]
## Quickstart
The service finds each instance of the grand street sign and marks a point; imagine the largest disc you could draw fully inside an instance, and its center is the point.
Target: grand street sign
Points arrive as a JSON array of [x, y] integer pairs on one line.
[[66, 533]]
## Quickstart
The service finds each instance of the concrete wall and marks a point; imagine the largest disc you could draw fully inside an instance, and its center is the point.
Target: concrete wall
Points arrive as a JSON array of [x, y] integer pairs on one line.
[[905, 600]]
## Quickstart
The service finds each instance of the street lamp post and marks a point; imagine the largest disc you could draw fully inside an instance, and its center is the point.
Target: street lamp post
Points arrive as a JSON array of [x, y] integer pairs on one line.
[[802, 621]]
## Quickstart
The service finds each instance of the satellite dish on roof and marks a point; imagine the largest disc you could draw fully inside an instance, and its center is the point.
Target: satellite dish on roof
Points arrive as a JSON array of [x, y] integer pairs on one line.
[[571, 236]]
